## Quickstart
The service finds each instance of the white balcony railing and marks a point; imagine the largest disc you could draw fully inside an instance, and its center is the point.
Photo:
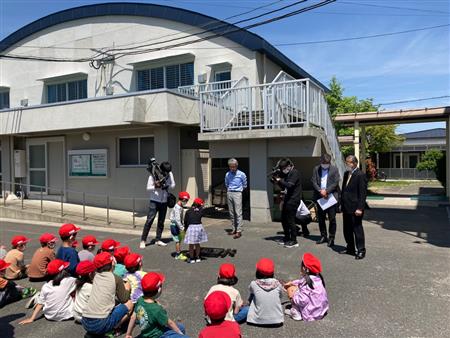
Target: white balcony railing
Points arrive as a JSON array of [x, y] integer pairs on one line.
[[194, 90], [281, 104]]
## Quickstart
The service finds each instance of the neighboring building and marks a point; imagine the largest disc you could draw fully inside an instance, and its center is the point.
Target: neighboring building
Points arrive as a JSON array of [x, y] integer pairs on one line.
[[401, 162], [89, 127]]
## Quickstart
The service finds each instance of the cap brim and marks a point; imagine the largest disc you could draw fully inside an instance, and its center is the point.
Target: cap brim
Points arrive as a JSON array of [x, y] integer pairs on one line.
[[66, 265]]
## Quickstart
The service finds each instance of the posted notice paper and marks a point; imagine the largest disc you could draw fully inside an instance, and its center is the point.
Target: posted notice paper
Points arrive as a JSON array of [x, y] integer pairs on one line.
[[326, 203]]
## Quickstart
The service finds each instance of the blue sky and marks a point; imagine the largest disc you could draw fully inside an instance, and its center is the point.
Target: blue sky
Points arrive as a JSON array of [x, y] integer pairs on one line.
[[393, 68]]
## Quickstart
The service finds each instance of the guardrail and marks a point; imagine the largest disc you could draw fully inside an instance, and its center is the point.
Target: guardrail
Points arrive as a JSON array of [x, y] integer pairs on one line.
[[408, 173], [195, 90], [40, 193]]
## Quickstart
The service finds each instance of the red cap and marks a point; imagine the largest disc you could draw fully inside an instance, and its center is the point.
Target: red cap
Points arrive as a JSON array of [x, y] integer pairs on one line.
[[68, 229], [152, 281], [18, 240], [110, 244], [217, 305], [3, 265], [132, 260], [56, 266], [47, 238], [85, 268], [89, 240], [199, 201], [121, 253], [184, 195], [227, 270], [312, 263], [102, 259], [265, 266]]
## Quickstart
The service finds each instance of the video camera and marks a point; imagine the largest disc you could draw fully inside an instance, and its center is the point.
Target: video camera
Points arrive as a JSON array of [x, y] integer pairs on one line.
[[159, 174]]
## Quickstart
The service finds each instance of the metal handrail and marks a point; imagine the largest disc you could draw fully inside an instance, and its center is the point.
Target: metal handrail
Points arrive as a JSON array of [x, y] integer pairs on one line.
[[65, 192]]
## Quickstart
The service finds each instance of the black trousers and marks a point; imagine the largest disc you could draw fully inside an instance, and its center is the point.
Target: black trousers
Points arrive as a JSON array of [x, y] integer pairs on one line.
[[354, 232], [288, 222], [321, 215], [303, 221], [153, 209]]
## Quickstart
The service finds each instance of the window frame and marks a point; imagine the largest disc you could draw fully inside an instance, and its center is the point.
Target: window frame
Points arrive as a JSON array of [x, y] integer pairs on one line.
[[222, 72], [164, 67], [66, 85], [139, 150]]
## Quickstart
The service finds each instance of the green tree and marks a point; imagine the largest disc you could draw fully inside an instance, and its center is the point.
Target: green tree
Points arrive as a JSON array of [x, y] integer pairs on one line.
[[434, 160], [378, 138]]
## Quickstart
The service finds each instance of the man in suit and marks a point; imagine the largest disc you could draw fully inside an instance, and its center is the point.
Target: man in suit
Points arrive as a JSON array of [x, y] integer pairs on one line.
[[289, 182], [353, 200], [325, 181]]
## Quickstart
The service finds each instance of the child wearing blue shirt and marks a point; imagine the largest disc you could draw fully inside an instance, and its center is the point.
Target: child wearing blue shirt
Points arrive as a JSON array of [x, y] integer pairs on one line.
[[68, 234]]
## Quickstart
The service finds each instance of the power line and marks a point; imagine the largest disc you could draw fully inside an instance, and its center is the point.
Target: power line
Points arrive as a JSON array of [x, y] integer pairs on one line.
[[393, 7], [361, 37], [414, 100]]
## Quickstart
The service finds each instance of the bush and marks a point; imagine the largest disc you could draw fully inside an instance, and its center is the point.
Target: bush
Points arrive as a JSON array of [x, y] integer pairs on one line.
[[434, 160]]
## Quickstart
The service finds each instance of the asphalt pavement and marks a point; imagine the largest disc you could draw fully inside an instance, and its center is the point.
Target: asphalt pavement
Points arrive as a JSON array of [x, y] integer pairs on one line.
[[401, 289]]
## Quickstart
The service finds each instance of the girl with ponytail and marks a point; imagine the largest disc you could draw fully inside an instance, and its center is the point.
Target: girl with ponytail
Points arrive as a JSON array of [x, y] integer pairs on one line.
[[309, 300]]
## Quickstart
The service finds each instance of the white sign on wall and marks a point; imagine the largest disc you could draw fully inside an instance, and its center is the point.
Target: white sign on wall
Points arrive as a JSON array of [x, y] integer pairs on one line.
[[88, 163]]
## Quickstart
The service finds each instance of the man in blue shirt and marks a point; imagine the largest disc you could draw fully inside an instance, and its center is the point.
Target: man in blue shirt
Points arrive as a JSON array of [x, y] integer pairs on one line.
[[235, 182]]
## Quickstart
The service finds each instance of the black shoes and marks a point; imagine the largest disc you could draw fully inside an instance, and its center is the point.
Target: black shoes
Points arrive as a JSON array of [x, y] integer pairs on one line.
[[360, 254], [330, 242], [322, 240], [291, 244], [347, 252]]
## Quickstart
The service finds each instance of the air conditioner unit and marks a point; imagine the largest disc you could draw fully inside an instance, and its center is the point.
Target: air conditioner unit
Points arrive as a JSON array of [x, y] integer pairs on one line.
[[24, 103], [20, 164], [201, 78]]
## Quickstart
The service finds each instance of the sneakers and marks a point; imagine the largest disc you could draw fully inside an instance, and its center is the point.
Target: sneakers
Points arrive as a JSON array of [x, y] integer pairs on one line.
[[160, 243], [32, 301], [142, 245], [28, 292], [291, 244], [294, 316], [181, 257], [198, 260], [190, 261], [281, 241]]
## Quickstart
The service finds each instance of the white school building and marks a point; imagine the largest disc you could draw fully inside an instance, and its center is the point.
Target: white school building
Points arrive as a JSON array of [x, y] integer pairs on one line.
[[87, 128]]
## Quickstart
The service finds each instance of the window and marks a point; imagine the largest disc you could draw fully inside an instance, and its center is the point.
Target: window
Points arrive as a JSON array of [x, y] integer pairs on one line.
[[135, 151], [222, 76], [171, 76], [4, 99], [67, 91]]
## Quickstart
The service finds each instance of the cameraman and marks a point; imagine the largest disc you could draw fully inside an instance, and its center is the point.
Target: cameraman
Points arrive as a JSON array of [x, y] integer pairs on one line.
[[158, 189], [289, 180]]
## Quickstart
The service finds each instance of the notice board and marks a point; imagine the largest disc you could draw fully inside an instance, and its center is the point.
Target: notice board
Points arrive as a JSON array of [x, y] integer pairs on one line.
[[88, 163]]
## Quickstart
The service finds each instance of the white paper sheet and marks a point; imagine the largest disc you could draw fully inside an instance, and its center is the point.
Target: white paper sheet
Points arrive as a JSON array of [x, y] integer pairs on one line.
[[326, 203]]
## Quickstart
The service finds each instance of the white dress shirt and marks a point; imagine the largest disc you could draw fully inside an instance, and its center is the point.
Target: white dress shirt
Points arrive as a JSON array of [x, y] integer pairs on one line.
[[157, 194]]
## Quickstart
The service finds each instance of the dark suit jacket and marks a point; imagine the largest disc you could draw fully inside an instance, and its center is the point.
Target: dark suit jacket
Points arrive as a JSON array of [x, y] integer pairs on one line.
[[332, 182], [353, 195], [293, 184]]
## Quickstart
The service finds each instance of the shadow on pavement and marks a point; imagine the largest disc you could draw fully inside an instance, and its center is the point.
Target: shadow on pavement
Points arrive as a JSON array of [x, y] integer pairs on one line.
[[429, 225], [6, 329]]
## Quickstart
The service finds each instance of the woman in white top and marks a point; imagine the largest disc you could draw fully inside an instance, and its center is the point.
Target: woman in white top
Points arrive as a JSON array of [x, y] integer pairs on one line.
[[56, 296], [303, 218], [85, 272]]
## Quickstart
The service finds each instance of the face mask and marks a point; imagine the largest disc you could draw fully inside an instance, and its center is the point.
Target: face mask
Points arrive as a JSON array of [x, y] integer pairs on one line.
[[325, 166], [184, 203], [286, 171], [349, 168]]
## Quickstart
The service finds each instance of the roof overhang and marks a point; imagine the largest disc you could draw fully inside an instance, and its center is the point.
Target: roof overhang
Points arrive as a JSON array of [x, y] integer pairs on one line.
[[65, 76], [182, 57]]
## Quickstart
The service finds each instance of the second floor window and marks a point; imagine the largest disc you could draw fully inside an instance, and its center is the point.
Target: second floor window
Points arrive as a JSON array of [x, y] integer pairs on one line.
[[67, 91], [171, 76], [4, 99]]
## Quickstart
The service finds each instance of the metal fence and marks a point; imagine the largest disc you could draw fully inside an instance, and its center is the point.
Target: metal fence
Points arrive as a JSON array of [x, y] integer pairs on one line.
[[194, 90], [408, 173], [22, 191]]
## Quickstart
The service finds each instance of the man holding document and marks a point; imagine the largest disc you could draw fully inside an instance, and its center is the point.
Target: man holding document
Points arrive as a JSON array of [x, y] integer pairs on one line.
[[325, 181]]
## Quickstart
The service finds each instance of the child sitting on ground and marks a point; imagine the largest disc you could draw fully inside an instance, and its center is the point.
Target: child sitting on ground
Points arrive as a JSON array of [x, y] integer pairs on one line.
[[56, 296], [120, 254], [308, 294], [134, 275], [176, 223], [109, 245], [15, 258], [37, 270], [150, 315], [195, 233], [66, 252], [87, 254], [225, 281], [85, 275], [217, 306], [265, 296], [101, 314], [9, 291]]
